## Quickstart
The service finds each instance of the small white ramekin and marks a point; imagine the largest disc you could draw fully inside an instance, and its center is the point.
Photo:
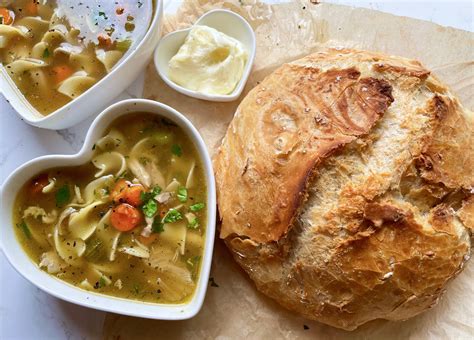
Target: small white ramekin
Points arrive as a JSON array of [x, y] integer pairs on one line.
[[225, 21], [98, 96], [63, 290]]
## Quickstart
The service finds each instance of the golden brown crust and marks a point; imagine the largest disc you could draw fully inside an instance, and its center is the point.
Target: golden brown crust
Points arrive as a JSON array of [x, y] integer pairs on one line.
[[345, 187], [290, 123], [449, 158]]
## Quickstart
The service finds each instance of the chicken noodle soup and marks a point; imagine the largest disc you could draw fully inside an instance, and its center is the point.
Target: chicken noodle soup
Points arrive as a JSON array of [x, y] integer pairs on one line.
[[54, 50], [130, 223]]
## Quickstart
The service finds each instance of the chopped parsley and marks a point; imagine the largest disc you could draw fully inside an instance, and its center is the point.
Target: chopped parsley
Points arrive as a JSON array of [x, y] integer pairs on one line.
[[156, 190], [46, 53], [102, 14], [23, 226], [182, 194], [157, 226], [197, 207], [172, 215], [63, 195], [146, 196], [176, 150], [150, 208], [102, 282]]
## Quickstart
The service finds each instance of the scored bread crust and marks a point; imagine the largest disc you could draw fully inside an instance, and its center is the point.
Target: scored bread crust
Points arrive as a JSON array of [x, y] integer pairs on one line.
[[345, 187]]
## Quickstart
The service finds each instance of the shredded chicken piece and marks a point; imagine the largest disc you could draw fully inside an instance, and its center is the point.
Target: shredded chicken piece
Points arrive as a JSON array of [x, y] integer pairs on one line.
[[118, 284], [51, 261], [146, 232], [37, 212], [163, 197]]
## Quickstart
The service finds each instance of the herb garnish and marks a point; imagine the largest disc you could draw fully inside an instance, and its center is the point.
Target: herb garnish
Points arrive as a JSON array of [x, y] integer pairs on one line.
[[145, 196], [102, 282], [23, 226], [46, 53], [63, 196], [182, 194], [176, 150], [172, 215], [196, 207], [150, 208], [157, 226]]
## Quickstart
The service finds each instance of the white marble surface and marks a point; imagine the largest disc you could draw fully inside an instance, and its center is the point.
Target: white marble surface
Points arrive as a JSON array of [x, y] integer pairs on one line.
[[28, 313]]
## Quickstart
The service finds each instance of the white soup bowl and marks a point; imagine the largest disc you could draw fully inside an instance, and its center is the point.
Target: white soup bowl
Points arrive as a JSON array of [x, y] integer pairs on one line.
[[63, 290]]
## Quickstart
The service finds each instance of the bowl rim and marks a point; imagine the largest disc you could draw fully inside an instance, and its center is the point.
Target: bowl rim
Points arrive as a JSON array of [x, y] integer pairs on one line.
[[200, 95], [82, 297], [34, 117]]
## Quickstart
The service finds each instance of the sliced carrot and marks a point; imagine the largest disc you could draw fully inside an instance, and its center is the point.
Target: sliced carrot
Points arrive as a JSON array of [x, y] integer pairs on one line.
[[6, 16], [38, 183], [125, 191], [61, 73], [147, 240], [104, 40], [133, 195], [118, 189], [124, 217], [32, 7]]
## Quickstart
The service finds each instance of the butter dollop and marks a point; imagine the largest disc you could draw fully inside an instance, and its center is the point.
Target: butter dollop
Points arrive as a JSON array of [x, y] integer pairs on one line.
[[209, 61]]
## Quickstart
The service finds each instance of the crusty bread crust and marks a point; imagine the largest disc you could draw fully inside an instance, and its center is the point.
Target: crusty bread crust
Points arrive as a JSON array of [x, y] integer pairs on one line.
[[345, 187]]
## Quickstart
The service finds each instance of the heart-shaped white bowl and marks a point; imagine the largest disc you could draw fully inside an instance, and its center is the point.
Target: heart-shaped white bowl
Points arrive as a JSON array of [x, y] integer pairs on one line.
[[224, 21], [98, 96], [63, 290]]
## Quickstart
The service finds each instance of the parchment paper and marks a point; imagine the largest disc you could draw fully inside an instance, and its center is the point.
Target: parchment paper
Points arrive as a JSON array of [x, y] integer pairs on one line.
[[285, 32]]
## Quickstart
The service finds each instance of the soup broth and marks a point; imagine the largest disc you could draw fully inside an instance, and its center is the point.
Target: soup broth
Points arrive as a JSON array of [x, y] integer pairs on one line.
[[54, 50], [131, 223]]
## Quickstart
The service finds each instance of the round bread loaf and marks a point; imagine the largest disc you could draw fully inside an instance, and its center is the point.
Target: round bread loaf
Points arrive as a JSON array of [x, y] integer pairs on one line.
[[345, 187]]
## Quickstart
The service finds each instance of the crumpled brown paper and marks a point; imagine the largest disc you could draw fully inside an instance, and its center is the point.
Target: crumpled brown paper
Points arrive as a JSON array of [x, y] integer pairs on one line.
[[285, 32]]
